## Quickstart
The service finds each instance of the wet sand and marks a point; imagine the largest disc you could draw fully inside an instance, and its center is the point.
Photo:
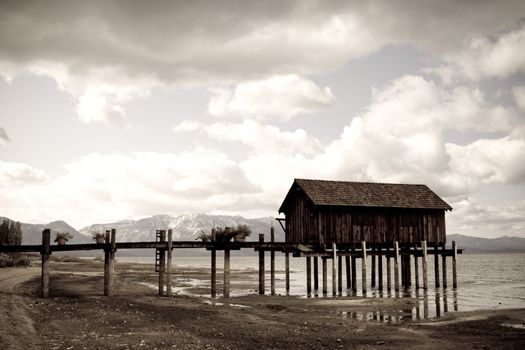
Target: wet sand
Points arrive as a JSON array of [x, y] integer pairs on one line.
[[78, 316]]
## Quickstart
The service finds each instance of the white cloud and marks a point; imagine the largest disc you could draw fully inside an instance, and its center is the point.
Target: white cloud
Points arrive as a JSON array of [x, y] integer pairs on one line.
[[3, 136], [519, 96], [485, 58], [282, 97], [265, 138], [187, 126], [16, 174]]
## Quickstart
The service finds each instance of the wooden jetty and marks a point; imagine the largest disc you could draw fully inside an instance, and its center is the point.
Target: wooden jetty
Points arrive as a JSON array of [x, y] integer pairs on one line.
[[325, 220]]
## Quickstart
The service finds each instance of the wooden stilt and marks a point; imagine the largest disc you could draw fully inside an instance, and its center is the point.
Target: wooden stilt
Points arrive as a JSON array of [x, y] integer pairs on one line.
[[436, 266], [325, 277], [363, 266], [409, 269], [287, 271], [354, 274], [454, 271], [261, 266], [111, 269], [46, 252], [272, 263], [106, 262], [403, 272], [444, 261], [162, 263], [416, 270], [316, 274], [348, 275], [226, 274], [213, 273], [308, 276], [340, 274], [380, 268], [396, 266], [373, 272], [388, 271], [424, 261], [334, 269], [169, 267]]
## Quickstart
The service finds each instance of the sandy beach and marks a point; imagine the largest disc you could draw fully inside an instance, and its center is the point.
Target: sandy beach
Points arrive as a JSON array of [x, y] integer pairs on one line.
[[78, 316]]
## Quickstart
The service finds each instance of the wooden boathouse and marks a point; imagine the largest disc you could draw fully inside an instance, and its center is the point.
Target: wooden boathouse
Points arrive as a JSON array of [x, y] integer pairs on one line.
[[322, 212], [382, 219]]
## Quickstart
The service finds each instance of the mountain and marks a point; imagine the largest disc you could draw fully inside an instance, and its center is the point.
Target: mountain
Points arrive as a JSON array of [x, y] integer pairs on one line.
[[504, 244], [32, 233], [185, 227]]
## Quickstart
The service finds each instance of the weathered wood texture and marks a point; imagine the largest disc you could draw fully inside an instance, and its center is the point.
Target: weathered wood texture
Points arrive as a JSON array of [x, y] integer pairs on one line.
[[306, 223]]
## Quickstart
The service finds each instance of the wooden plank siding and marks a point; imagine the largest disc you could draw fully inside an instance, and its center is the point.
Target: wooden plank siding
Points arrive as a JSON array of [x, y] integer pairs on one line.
[[306, 223]]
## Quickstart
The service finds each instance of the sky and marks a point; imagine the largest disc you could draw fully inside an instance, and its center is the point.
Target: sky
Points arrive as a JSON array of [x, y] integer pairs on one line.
[[113, 110]]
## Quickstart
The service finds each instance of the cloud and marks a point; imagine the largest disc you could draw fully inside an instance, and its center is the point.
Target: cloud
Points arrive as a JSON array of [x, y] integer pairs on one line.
[[480, 218], [187, 126], [106, 53], [265, 138], [19, 174], [519, 96], [3, 136], [486, 58], [283, 97]]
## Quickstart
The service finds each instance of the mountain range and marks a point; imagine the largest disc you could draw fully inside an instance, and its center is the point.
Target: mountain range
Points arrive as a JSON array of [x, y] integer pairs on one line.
[[188, 227]]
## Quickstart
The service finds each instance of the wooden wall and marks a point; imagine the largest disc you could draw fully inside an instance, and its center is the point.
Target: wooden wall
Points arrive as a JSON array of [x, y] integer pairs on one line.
[[307, 224]]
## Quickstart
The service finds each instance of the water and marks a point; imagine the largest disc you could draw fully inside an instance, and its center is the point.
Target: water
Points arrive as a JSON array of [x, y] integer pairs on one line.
[[485, 281]]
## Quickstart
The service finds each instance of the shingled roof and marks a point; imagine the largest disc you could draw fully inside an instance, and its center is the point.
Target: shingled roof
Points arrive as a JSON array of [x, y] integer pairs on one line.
[[368, 194]]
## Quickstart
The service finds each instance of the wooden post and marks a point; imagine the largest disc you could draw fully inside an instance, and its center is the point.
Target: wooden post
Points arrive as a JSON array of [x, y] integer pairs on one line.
[[162, 263], [213, 273], [363, 266], [226, 275], [373, 274], [388, 271], [272, 262], [454, 271], [261, 266], [444, 261], [316, 274], [334, 269], [112, 261], [287, 271], [354, 273], [408, 269], [436, 266], [348, 275], [340, 274], [396, 266], [308, 276], [424, 260], [416, 269], [325, 277], [106, 263], [380, 268], [46, 251], [169, 267]]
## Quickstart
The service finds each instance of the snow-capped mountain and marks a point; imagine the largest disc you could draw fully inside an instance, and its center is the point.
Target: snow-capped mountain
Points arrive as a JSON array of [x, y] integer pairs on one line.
[[185, 227]]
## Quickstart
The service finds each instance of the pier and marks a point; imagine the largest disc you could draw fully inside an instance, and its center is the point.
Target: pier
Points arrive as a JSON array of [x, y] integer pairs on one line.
[[351, 252]]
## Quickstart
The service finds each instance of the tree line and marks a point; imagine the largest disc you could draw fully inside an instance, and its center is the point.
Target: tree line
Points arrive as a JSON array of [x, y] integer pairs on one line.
[[10, 232]]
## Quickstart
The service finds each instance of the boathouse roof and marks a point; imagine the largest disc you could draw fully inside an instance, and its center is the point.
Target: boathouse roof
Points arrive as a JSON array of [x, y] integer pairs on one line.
[[366, 194]]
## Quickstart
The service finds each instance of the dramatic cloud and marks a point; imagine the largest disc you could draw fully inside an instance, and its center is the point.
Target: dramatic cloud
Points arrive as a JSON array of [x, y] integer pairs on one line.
[[283, 97], [3, 136], [485, 58], [106, 53]]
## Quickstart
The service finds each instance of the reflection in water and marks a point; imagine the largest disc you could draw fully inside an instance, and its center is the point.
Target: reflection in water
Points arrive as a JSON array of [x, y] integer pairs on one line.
[[431, 304]]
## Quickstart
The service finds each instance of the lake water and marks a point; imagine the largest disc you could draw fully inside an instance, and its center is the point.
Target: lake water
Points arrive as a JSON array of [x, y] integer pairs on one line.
[[485, 281]]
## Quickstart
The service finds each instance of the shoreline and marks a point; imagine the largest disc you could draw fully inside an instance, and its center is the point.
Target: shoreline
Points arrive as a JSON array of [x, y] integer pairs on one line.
[[77, 316]]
